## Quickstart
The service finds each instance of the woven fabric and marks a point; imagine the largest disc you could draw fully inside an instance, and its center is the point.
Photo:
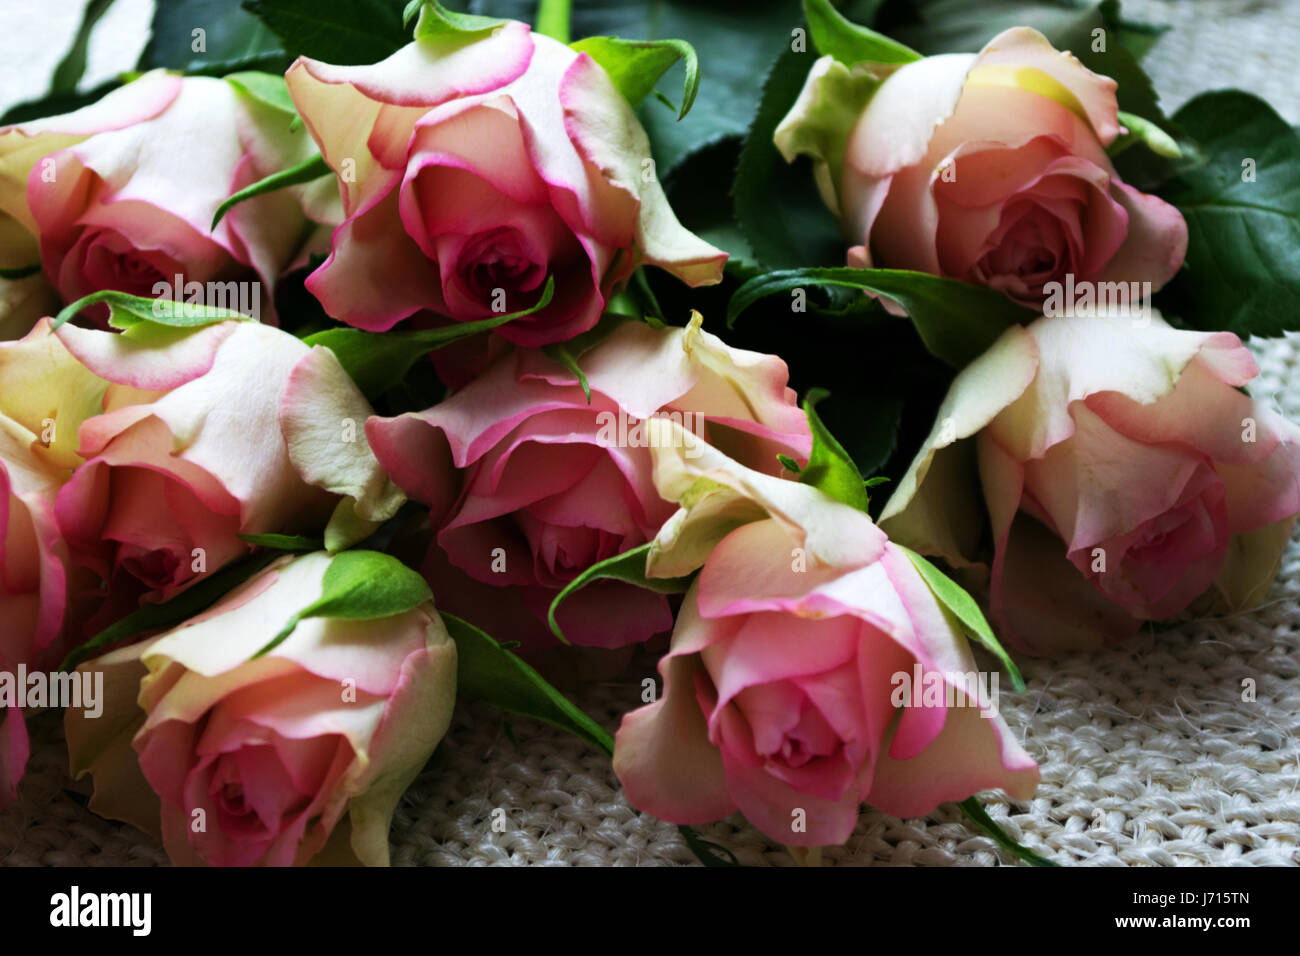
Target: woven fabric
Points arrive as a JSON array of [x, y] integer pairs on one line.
[[1149, 754]]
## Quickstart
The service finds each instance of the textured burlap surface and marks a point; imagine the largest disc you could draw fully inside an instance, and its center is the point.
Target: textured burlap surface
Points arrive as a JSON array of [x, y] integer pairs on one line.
[[1155, 736]]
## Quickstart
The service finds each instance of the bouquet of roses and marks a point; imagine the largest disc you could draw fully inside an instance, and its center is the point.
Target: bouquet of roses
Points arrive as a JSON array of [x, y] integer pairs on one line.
[[363, 359]]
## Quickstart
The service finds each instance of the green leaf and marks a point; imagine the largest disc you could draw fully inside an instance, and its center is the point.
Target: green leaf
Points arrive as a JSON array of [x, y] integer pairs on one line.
[[378, 361], [830, 468], [836, 36], [360, 586], [789, 464], [955, 598], [67, 75], [979, 816], [1242, 271], [127, 312], [487, 671], [437, 22], [628, 567], [343, 32], [283, 542], [309, 169], [268, 88], [956, 321], [163, 617], [229, 34], [635, 66], [22, 272], [776, 204]]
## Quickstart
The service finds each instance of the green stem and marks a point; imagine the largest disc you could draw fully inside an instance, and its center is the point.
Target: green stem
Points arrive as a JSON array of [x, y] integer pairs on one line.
[[553, 19]]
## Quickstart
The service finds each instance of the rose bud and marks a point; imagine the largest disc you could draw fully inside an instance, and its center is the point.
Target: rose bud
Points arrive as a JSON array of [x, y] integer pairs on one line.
[[44, 393], [119, 197], [1123, 471], [549, 484], [238, 759], [473, 169], [990, 168], [789, 690], [193, 449]]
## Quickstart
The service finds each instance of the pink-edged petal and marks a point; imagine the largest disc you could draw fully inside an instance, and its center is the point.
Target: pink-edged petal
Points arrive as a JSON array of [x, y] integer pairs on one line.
[[1039, 601], [23, 146], [415, 455], [478, 416], [376, 274], [1156, 243], [1076, 481], [1079, 357], [933, 509], [1015, 54], [973, 753], [776, 808], [343, 106], [165, 360], [317, 404], [910, 104], [662, 754], [609, 137], [903, 236], [720, 491], [772, 647]]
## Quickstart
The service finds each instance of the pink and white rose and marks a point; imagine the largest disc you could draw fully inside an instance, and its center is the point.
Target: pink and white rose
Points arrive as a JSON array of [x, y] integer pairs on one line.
[[473, 167], [781, 688], [300, 753], [990, 168], [530, 484], [1124, 473], [204, 435], [121, 194]]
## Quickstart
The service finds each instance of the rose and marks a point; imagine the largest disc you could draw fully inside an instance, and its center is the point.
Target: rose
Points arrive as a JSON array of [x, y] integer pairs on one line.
[[232, 429], [44, 393], [801, 636], [269, 752], [1123, 472], [120, 198], [988, 167], [474, 166], [26, 149], [552, 484]]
